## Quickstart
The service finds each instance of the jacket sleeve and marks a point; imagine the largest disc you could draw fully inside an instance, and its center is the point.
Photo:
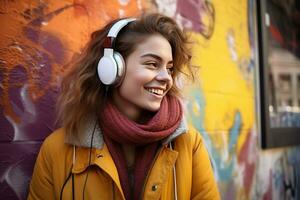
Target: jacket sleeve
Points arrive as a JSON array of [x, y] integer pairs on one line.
[[203, 182], [41, 184]]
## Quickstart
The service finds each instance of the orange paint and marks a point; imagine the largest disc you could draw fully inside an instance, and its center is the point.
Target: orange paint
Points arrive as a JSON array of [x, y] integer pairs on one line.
[[31, 27]]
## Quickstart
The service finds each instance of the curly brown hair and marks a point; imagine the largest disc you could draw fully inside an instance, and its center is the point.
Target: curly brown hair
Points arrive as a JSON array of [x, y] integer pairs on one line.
[[83, 94]]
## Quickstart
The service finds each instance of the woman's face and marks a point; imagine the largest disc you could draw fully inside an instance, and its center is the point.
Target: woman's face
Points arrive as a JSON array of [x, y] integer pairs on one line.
[[148, 77]]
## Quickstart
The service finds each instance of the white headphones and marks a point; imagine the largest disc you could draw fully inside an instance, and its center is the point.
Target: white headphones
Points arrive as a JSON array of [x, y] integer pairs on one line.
[[111, 67]]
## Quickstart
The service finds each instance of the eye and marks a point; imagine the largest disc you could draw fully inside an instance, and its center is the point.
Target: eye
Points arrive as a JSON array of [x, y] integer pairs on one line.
[[151, 64], [170, 70]]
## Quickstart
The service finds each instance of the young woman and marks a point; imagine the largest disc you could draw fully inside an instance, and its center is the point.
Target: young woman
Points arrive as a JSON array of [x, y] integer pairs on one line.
[[123, 134]]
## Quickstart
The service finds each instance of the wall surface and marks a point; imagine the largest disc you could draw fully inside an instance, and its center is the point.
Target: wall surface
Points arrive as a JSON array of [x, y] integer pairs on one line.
[[38, 37]]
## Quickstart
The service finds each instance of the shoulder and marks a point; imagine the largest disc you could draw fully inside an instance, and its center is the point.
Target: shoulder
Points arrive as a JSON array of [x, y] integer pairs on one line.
[[191, 138], [56, 138], [54, 144]]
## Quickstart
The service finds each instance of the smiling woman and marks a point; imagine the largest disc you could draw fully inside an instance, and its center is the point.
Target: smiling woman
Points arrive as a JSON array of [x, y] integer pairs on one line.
[[147, 79], [123, 134]]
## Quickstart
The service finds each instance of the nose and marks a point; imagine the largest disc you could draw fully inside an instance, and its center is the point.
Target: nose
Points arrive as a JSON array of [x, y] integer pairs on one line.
[[164, 75]]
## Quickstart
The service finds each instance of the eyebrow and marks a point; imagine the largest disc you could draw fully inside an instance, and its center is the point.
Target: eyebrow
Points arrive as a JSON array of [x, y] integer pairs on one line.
[[155, 57]]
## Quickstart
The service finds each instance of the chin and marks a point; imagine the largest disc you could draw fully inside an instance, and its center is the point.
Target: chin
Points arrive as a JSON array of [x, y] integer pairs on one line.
[[153, 108]]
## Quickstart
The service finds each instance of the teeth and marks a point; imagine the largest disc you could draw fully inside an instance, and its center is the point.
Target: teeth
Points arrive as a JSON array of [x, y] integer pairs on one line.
[[155, 91]]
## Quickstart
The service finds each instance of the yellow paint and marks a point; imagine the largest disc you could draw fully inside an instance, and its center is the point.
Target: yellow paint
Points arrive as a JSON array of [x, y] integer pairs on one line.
[[222, 80]]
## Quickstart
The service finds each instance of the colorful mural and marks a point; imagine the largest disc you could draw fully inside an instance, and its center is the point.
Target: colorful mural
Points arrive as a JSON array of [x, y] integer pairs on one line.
[[40, 37]]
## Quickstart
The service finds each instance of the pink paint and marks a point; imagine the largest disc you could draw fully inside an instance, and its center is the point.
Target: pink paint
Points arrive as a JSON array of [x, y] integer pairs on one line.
[[243, 159]]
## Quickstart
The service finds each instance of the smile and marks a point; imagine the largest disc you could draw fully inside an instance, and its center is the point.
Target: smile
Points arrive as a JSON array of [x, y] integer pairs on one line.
[[155, 91]]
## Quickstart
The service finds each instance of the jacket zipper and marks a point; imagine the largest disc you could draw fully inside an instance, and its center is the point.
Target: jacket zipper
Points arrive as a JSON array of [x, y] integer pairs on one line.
[[150, 169]]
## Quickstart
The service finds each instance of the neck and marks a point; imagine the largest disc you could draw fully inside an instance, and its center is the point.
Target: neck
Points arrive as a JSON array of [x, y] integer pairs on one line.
[[131, 111]]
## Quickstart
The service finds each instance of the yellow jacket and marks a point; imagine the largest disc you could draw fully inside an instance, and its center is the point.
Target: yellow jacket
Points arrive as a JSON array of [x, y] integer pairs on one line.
[[188, 163]]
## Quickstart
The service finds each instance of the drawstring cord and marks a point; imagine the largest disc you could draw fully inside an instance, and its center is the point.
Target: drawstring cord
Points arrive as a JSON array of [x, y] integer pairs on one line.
[[71, 175], [174, 177]]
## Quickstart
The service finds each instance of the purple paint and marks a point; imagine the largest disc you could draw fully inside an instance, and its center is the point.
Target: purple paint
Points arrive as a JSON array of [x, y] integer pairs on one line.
[[46, 114], [17, 169], [17, 78], [189, 9], [6, 128], [44, 122], [1, 78], [18, 75], [31, 34], [37, 119], [48, 43], [15, 100], [193, 11], [53, 46]]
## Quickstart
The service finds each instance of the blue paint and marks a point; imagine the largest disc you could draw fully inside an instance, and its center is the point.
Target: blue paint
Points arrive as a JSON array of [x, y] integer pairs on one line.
[[235, 130], [223, 170]]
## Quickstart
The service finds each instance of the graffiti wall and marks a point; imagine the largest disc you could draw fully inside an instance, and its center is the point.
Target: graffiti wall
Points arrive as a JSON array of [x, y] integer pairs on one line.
[[222, 104], [38, 38]]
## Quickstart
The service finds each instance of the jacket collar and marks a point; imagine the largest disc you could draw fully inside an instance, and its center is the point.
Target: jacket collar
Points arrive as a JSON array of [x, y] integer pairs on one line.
[[182, 128], [90, 129]]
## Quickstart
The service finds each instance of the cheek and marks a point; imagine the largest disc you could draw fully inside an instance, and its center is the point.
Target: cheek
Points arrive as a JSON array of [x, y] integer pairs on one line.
[[139, 78], [132, 83]]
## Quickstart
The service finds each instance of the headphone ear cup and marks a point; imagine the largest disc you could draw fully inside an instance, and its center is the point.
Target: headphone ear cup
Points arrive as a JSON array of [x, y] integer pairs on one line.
[[107, 69], [120, 67]]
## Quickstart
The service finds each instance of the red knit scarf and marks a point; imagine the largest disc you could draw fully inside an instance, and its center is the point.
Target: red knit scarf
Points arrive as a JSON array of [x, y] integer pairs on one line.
[[118, 129]]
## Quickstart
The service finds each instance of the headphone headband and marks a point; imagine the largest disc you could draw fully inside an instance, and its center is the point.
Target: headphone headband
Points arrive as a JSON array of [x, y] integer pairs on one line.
[[115, 29]]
